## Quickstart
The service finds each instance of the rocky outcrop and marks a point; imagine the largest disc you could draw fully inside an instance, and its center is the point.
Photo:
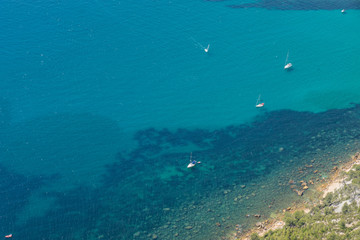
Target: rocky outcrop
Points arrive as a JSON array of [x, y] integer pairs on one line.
[[299, 192]]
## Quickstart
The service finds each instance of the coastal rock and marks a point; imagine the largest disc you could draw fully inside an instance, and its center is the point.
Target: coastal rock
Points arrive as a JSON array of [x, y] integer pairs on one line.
[[188, 227], [291, 182], [257, 215], [226, 191], [305, 187], [243, 186], [299, 192], [137, 234], [154, 236], [311, 182], [218, 224], [260, 225]]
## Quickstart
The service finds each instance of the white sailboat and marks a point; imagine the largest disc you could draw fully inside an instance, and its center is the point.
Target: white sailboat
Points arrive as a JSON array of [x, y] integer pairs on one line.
[[343, 11], [192, 162], [259, 104], [287, 65], [207, 49]]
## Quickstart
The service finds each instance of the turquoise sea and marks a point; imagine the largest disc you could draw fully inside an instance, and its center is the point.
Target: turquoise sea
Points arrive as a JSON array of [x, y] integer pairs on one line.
[[102, 102]]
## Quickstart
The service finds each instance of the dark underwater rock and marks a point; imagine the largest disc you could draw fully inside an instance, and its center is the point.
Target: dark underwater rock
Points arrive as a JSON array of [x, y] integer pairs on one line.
[[301, 4]]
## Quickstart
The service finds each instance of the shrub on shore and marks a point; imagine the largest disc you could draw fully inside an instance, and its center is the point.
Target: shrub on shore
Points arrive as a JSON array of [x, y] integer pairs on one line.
[[336, 218]]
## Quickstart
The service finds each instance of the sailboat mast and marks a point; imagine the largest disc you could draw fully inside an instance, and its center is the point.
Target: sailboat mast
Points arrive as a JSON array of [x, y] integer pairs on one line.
[[287, 56]]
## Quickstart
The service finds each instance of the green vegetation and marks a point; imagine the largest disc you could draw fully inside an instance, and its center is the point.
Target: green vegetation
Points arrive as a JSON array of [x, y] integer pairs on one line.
[[254, 236], [336, 217]]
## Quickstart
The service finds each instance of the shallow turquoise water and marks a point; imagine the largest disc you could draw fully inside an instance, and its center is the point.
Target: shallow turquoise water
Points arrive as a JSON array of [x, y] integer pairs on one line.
[[83, 82]]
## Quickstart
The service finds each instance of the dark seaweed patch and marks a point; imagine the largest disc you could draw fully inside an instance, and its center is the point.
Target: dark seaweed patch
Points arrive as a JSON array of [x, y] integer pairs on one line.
[[74, 216], [301, 4], [15, 189], [235, 153], [140, 184]]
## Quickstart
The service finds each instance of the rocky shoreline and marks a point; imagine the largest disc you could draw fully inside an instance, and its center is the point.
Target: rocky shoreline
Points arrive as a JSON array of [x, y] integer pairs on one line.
[[333, 183]]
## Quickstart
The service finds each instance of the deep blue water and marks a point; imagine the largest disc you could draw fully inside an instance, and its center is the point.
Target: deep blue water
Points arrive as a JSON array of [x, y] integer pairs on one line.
[[101, 103]]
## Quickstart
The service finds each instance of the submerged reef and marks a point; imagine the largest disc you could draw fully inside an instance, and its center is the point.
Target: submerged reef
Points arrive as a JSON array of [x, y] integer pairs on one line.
[[74, 216], [15, 191], [300, 4], [243, 168], [247, 172]]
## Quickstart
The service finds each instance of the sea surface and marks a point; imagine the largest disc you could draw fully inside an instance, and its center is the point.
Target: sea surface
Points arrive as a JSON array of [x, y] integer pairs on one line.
[[102, 102]]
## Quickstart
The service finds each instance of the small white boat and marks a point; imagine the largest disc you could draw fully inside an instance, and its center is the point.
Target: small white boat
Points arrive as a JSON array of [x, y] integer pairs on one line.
[[343, 11], [287, 65], [258, 103], [207, 49], [192, 162]]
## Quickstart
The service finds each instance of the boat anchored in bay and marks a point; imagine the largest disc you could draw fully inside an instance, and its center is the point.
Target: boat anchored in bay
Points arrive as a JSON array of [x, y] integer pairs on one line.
[[289, 65], [207, 49], [259, 104], [192, 162]]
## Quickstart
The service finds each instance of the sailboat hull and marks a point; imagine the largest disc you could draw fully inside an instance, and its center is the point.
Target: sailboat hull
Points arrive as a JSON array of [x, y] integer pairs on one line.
[[191, 165], [288, 66], [258, 103]]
